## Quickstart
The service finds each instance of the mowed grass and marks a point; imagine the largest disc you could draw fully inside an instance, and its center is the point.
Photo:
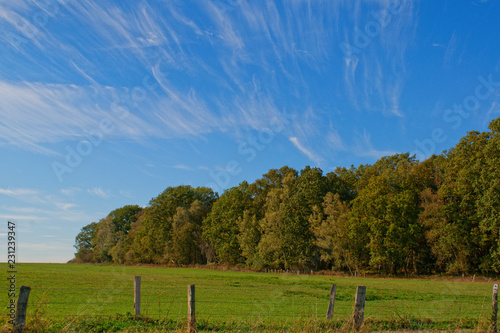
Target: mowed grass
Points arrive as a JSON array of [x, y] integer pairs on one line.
[[71, 292]]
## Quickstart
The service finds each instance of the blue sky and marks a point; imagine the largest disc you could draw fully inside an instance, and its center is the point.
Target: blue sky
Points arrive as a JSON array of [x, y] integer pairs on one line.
[[107, 103]]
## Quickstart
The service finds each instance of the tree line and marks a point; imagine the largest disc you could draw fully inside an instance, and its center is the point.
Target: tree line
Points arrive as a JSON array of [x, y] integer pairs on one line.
[[396, 216]]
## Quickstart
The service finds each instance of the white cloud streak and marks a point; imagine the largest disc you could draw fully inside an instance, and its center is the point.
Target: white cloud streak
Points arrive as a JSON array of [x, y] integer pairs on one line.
[[376, 77], [71, 191], [309, 153], [334, 141], [18, 192], [363, 147], [15, 217], [224, 73], [99, 192], [36, 113]]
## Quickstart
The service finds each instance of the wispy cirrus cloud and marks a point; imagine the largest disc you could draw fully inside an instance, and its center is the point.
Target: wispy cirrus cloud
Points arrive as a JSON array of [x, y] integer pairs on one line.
[[374, 77], [64, 205], [18, 192], [308, 152], [226, 30], [492, 112], [40, 113], [182, 167], [363, 146], [258, 53], [36, 113], [48, 213], [17, 217], [31, 196], [70, 191], [99, 192], [334, 141], [451, 48]]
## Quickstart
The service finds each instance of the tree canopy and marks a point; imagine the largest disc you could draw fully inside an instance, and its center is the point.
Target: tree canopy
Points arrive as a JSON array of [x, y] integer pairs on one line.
[[397, 216]]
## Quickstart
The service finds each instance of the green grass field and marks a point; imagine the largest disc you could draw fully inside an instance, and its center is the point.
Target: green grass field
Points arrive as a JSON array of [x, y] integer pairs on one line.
[[65, 293]]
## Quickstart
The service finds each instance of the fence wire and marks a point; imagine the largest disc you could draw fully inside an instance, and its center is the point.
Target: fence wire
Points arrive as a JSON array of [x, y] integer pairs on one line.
[[226, 302]]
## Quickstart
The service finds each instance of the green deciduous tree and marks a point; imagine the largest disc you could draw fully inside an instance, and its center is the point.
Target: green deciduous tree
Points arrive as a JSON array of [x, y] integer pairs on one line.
[[221, 229], [151, 240], [85, 243], [330, 227], [489, 200], [122, 220], [460, 239], [287, 241], [249, 235], [387, 209], [108, 238], [186, 245]]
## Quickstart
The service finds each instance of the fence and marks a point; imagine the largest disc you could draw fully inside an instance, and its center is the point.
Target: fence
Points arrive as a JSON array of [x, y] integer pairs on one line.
[[359, 301]]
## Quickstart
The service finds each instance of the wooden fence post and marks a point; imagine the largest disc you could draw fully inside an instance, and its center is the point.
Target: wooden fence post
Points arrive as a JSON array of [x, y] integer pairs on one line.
[[137, 295], [494, 309], [22, 306], [191, 309], [359, 307], [331, 304]]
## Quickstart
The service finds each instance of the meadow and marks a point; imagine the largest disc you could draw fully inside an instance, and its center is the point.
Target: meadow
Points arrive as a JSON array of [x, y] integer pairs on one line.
[[99, 298]]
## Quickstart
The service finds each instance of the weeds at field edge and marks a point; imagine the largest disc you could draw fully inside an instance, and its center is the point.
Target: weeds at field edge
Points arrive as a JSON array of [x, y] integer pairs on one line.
[[138, 324]]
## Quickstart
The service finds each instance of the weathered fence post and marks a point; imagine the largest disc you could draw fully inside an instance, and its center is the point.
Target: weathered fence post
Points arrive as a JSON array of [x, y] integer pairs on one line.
[[191, 309], [331, 304], [137, 295], [494, 309], [22, 306], [359, 307]]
